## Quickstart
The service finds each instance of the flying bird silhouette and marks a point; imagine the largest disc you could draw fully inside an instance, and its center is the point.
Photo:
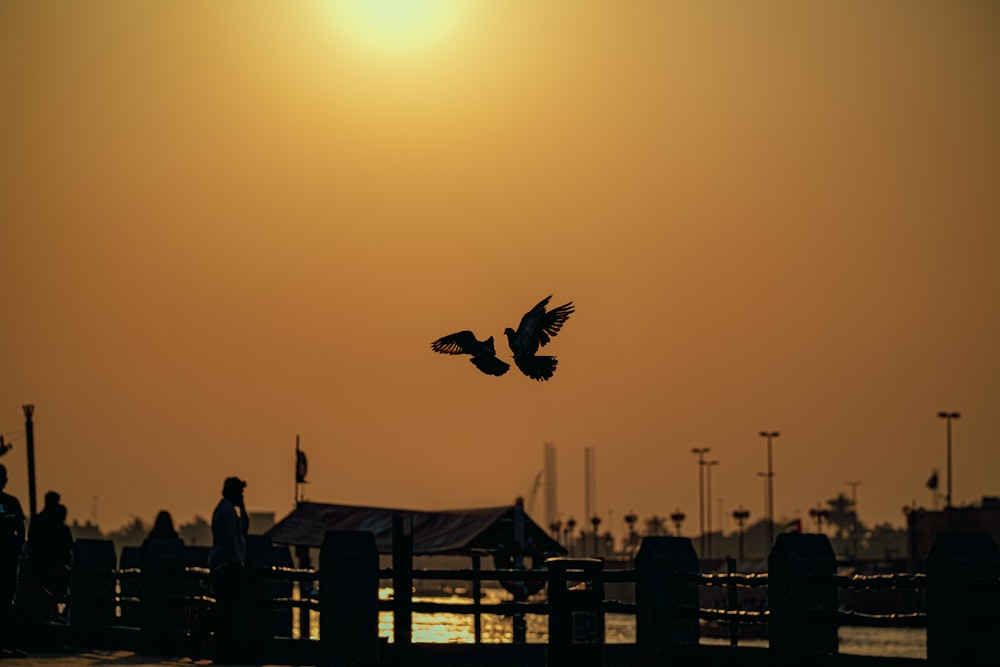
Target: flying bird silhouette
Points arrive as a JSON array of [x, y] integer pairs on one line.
[[483, 353], [536, 329]]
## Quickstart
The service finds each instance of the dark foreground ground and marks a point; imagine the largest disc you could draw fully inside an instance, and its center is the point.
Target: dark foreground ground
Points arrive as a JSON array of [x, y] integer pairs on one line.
[[443, 655]]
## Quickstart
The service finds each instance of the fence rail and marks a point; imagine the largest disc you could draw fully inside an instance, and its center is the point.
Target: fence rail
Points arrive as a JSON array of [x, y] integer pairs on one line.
[[165, 603]]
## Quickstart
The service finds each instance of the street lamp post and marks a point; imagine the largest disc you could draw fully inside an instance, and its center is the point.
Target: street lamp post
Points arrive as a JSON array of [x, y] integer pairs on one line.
[[678, 518], [854, 517], [630, 519], [819, 514], [708, 503], [741, 515], [596, 521], [948, 416], [570, 525], [701, 451], [769, 436]]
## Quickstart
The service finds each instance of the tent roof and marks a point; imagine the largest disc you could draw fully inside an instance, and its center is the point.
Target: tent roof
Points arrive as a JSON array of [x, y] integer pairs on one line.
[[445, 532]]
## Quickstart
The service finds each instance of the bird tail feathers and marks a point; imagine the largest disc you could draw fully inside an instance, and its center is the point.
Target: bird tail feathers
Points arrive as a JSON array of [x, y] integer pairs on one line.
[[537, 367]]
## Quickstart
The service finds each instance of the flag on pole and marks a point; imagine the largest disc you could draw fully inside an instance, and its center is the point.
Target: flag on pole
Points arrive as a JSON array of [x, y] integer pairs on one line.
[[301, 466], [793, 526], [932, 483]]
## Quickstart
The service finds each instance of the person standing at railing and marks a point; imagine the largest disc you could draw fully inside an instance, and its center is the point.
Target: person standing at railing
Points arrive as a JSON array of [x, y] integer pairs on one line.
[[163, 528], [50, 549], [227, 560], [11, 542]]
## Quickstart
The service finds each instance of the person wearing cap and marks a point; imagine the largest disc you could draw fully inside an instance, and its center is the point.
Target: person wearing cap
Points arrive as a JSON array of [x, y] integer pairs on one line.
[[227, 560]]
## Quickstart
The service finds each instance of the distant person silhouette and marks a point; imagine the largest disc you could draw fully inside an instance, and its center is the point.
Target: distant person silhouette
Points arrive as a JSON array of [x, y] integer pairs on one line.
[[50, 547], [163, 527], [227, 560], [11, 543]]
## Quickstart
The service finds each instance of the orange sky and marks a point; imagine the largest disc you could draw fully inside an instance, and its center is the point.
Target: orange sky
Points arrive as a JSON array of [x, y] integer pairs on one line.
[[224, 224]]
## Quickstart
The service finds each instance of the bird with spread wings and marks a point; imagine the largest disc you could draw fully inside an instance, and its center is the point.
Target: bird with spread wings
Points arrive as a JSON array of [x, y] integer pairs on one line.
[[537, 327]]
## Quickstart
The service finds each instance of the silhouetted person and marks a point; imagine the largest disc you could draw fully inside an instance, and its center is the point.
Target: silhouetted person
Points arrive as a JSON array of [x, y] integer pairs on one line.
[[227, 560], [50, 547], [11, 542], [163, 527]]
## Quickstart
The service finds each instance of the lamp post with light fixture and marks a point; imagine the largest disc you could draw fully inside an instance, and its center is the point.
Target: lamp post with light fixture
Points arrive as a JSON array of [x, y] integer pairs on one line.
[[701, 451], [741, 515], [948, 416], [708, 502], [769, 436], [678, 518]]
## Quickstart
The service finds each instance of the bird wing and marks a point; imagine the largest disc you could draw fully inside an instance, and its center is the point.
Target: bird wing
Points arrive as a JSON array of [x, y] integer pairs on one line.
[[552, 321], [489, 364], [538, 326], [463, 342]]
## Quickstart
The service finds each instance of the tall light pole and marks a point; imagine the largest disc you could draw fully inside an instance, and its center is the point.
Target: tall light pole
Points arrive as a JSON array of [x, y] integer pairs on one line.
[[763, 475], [854, 516], [769, 436], [701, 451], [708, 502], [948, 416]]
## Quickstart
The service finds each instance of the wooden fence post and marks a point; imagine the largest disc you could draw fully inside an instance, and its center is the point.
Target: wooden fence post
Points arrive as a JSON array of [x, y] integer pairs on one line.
[[130, 586], [802, 595], [304, 562], [963, 599], [576, 614], [402, 582], [265, 621], [348, 592], [162, 563], [666, 596], [92, 591]]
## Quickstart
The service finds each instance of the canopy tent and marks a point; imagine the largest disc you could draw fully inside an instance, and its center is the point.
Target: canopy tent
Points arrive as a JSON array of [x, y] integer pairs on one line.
[[452, 532]]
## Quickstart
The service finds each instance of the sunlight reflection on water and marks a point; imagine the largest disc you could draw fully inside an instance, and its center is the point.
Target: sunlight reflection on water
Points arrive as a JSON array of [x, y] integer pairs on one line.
[[619, 629]]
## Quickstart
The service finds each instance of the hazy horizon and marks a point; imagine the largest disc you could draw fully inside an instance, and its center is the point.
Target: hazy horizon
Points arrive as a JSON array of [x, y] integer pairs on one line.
[[227, 224]]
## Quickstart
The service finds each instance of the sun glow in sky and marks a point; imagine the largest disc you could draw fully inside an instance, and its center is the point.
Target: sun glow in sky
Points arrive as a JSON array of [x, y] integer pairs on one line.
[[395, 26], [224, 224]]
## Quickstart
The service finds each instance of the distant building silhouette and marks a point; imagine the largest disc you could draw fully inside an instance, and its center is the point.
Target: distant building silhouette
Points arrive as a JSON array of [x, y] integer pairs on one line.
[[924, 525], [85, 531]]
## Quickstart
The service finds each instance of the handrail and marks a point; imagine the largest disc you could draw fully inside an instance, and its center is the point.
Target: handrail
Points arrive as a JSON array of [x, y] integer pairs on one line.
[[909, 620], [873, 582], [739, 580]]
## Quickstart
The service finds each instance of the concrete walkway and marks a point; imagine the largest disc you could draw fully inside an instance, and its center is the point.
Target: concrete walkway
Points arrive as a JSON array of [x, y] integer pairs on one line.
[[99, 658]]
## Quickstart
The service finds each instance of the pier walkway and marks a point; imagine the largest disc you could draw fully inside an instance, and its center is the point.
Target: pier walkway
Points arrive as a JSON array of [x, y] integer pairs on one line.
[[447, 656]]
